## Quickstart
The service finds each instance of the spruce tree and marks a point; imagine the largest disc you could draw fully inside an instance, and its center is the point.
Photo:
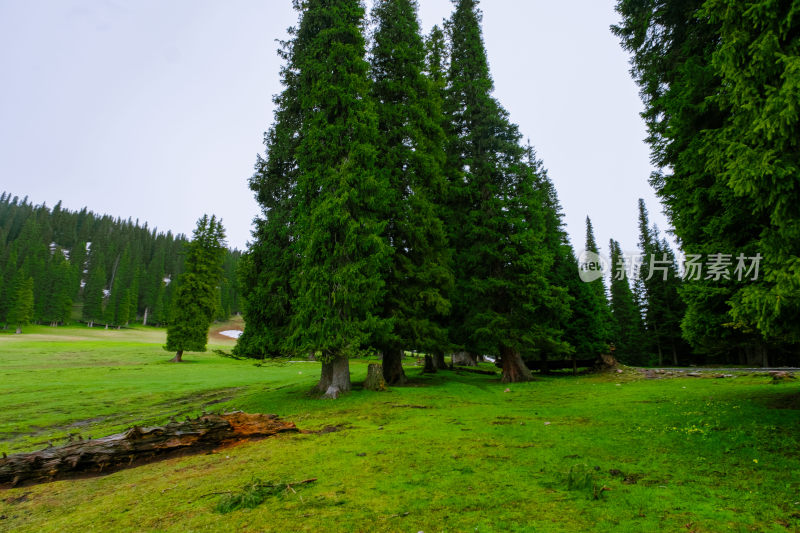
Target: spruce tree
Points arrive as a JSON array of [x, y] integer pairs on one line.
[[343, 202], [22, 304], [411, 155], [93, 292], [495, 216], [7, 288], [599, 296], [755, 152], [662, 307], [673, 46], [266, 270], [583, 331], [436, 70], [195, 302], [626, 329]]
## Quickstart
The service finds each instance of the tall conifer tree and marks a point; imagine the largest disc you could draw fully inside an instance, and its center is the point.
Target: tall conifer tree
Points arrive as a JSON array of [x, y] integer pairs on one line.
[[196, 298], [599, 296], [22, 305], [626, 323], [266, 271], [663, 308], [343, 202], [673, 46], [410, 149], [495, 216]]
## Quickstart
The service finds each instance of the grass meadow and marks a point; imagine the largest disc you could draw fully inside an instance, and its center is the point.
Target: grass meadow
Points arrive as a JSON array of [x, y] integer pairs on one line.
[[451, 452]]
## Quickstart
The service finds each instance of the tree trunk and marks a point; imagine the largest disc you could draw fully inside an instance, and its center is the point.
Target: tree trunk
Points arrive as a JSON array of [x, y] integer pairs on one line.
[[674, 355], [136, 446], [335, 376], [144, 320], [430, 368], [178, 357], [465, 359], [393, 367], [514, 369], [439, 362]]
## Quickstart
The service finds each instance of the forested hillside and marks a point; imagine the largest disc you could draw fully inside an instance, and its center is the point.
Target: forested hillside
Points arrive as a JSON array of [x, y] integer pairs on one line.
[[59, 266]]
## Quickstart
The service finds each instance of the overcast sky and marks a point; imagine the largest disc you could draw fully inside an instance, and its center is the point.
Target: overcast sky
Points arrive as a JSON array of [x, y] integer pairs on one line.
[[155, 109]]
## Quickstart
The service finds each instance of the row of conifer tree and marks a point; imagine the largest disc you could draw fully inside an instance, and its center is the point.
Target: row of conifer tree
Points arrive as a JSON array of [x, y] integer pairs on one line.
[[59, 266], [402, 211]]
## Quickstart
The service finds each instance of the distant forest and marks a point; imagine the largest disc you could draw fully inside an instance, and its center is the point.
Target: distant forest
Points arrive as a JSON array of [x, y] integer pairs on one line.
[[79, 266]]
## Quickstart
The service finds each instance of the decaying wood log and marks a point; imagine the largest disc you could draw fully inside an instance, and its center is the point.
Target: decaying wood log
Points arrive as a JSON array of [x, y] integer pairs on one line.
[[136, 446]]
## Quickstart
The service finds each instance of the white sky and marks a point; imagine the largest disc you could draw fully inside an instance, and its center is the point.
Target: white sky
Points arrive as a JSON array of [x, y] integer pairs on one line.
[[155, 109]]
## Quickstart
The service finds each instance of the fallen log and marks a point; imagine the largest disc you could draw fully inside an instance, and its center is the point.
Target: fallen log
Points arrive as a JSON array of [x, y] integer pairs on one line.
[[136, 446]]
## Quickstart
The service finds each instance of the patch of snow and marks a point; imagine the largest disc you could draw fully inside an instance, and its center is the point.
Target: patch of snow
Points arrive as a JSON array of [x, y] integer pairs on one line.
[[232, 333]]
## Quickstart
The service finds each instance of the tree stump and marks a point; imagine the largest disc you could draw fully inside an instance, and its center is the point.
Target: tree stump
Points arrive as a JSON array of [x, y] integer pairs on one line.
[[464, 359], [781, 376], [392, 361], [136, 446], [608, 361], [430, 366], [375, 379]]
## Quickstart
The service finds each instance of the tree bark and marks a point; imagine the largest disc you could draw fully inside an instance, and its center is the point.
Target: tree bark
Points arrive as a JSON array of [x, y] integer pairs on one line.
[[393, 367], [325, 377], [144, 320], [178, 357], [514, 369], [439, 362], [335, 376], [136, 446], [429, 368]]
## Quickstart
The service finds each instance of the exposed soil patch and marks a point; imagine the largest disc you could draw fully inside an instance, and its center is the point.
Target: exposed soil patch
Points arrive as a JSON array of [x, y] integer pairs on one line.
[[410, 406], [325, 430], [788, 401]]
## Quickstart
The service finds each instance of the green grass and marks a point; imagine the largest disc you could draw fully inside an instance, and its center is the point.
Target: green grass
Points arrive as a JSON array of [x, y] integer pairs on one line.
[[451, 452]]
